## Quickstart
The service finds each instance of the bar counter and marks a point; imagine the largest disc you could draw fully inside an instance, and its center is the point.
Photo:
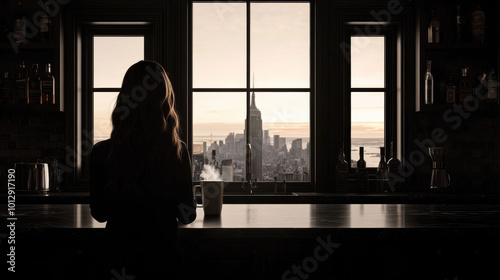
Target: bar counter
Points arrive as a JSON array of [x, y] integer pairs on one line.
[[265, 241]]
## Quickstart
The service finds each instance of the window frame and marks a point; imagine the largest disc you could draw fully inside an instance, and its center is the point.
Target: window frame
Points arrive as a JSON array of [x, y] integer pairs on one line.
[[263, 186], [390, 89]]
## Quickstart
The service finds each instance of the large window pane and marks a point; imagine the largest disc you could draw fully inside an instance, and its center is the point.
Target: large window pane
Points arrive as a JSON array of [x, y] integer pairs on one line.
[[282, 147], [280, 45], [367, 126], [219, 45], [367, 62], [113, 55], [219, 124], [104, 104]]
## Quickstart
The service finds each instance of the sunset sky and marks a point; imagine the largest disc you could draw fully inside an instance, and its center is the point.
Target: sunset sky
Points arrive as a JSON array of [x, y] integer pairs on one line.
[[279, 58]]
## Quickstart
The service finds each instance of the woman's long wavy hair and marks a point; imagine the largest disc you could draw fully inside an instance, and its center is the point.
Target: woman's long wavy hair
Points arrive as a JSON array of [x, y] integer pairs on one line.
[[145, 124]]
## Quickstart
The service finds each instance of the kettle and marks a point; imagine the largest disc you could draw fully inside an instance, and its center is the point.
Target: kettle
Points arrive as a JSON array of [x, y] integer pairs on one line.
[[32, 176]]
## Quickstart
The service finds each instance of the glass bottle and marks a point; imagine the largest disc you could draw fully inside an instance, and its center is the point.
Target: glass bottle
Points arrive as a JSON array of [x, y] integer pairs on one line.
[[5, 89], [382, 170], [361, 172], [342, 172], [34, 93], [429, 84], [393, 178], [433, 29], [20, 93], [492, 85], [45, 24], [19, 24], [465, 86], [459, 24], [478, 25], [451, 91], [48, 86]]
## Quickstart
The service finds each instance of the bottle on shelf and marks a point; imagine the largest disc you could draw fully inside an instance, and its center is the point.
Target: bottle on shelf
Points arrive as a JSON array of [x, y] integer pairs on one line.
[[361, 172], [478, 25], [433, 31], [429, 84], [34, 92], [6, 88], [393, 177], [48, 86], [19, 29], [465, 86], [342, 172], [492, 85], [459, 24], [45, 24], [451, 91], [21, 86], [382, 170]]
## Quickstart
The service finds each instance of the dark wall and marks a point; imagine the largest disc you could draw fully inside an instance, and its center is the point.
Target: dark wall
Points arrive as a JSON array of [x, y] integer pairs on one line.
[[472, 140]]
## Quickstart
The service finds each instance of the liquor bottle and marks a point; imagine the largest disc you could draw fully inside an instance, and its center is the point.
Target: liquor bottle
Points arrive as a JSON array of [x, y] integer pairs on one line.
[[492, 85], [361, 172], [478, 25], [20, 93], [45, 24], [382, 170], [429, 85], [393, 178], [459, 24], [342, 172], [34, 92], [19, 24], [433, 29], [465, 86], [451, 91], [48, 86], [5, 89]]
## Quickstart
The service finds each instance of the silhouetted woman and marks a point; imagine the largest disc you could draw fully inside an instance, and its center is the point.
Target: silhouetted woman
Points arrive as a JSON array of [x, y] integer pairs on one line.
[[141, 179]]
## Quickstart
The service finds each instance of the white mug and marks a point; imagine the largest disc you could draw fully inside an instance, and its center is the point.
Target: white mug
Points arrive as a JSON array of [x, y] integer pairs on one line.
[[212, 193]]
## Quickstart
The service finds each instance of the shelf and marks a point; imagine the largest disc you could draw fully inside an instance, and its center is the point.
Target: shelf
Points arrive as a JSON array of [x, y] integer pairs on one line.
[[436, 108], [30, 108], [30, 46], [458, 46]]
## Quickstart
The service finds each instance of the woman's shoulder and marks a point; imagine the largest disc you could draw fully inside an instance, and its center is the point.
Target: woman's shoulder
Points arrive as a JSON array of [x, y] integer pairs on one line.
[[101, 148]]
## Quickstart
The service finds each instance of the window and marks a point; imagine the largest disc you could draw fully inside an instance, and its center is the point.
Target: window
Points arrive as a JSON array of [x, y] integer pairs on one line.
[[108, 50], [251, 83], [371, 91], [112, 56]]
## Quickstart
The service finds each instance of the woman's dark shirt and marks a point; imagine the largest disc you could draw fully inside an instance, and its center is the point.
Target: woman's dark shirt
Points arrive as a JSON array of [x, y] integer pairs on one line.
[[142, 219]]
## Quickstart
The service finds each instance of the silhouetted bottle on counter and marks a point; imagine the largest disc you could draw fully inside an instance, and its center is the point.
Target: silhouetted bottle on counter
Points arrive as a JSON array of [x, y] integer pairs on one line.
[[382, 170], [393, 164], [429, 85], [342, 172], [361, 172], [34, 93]]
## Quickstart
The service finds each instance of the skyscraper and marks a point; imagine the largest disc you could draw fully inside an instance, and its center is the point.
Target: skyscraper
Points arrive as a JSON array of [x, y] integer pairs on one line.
[[255, 136]]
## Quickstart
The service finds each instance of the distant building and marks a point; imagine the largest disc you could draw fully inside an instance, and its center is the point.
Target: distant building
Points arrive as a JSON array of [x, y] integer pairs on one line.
[[256, 137], [296, 150], [227, 170]]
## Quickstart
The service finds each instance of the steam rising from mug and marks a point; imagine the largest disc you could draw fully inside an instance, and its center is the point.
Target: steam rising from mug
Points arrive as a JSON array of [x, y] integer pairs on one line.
[[209, 173]]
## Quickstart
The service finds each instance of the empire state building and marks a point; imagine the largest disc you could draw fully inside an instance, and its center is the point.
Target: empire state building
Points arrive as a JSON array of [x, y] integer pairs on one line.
[[255, 128]]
